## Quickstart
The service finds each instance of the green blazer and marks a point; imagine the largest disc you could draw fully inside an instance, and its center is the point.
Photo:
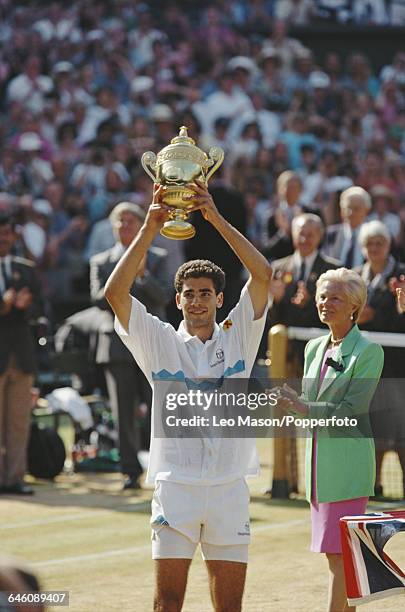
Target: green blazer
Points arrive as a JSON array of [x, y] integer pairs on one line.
[[345, 455]]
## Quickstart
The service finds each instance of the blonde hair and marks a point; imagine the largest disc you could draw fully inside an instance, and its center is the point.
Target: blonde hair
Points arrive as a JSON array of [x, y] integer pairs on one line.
[[373, 229], [284, 178], [352, 284], [355, 192], [124, 207]]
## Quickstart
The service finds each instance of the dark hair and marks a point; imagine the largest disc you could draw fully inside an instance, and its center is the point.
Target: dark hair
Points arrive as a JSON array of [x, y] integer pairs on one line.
[[200, 268], [7, 220]]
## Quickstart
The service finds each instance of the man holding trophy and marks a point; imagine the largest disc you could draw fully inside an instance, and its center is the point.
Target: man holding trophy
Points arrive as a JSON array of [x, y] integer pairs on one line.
[[200, 491]]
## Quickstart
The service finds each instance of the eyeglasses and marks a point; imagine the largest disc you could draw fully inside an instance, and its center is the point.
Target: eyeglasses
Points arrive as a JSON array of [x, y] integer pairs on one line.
[[376, 243]]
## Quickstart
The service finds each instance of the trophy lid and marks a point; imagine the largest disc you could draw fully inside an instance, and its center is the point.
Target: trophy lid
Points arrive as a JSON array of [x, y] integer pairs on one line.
[[183, 147]]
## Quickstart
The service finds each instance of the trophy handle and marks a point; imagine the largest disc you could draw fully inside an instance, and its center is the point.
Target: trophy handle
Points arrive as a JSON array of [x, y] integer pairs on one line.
[[148, 160], [216, 154]]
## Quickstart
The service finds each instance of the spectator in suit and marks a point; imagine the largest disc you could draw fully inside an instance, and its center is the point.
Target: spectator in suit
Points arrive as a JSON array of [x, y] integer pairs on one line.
[[342, 240], [127, 387], [276, 239], [20, 301], [381, 273], [294, 282]]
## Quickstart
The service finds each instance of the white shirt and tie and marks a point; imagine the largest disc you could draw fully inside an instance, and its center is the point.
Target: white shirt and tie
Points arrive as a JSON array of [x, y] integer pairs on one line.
[[5, 273], [302, 266], [351, 252]]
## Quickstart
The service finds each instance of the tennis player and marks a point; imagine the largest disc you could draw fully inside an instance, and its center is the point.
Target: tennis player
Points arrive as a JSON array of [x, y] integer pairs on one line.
[[200, 491]]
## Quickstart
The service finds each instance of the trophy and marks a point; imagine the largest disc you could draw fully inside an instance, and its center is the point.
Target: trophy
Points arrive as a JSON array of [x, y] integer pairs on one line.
[[178, 164]]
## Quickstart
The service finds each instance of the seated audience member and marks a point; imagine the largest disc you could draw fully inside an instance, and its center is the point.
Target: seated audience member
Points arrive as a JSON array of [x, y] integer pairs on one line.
[[381, 272], [342, 240]]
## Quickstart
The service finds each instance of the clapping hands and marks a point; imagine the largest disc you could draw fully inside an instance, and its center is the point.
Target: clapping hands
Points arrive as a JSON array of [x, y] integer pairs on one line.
[[287, 400]]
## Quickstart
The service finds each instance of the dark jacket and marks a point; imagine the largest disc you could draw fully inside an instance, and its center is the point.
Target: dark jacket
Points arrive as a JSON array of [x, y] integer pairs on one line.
[[15, 333], [386, 318], [153, 290], [208, 243], [278, 244], [289, 314]]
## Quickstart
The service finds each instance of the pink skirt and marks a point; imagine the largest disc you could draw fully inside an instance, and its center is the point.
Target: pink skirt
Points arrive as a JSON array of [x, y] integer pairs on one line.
[[325, 516], [325, 522]]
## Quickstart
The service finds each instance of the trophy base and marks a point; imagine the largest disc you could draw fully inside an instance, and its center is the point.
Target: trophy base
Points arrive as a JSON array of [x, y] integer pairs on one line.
[[177, 230]]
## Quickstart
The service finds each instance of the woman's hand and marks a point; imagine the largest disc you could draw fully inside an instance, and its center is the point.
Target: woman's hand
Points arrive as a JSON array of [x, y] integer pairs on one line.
[[288, 400]]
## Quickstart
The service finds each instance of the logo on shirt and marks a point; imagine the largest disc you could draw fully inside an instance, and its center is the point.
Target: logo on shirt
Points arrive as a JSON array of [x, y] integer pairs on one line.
[[227, 324], [246, 530], [220, 357], [160, 520]]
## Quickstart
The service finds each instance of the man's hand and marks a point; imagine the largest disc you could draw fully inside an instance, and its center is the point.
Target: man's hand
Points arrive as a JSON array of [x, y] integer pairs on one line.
[[301, 298], [202, 200], [401, 299], [395, 283], [8, 301], [23, 299], [277, 289], [158, 213], [367, 315]]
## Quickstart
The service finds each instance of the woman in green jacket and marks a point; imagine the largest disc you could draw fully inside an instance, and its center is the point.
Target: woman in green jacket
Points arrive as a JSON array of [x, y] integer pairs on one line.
[[341, 373]]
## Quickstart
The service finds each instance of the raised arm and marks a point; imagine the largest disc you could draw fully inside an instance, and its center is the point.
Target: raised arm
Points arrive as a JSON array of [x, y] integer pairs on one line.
[[256, 264], [117, 289]]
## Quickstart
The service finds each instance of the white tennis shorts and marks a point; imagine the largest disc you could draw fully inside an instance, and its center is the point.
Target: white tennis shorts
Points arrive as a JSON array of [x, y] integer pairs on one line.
[[216, 516]]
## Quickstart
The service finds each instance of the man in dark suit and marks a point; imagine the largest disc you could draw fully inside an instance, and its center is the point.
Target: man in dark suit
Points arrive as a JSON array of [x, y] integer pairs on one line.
[[294, 282], [19, 301], [342, 240], [128, 389], [277, 240]]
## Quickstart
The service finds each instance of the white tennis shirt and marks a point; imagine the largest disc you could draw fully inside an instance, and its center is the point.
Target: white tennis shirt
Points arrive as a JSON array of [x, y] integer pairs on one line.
[[166, 355]]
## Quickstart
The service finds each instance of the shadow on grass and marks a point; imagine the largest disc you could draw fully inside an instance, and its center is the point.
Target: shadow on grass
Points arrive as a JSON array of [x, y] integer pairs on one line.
[[266, 500], [90, 490]]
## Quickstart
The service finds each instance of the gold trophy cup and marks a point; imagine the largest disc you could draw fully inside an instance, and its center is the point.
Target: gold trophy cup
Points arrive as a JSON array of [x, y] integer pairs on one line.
[[178, 164]]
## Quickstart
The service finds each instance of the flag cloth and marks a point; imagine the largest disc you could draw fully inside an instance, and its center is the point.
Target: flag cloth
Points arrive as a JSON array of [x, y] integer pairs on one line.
[[369, 572]]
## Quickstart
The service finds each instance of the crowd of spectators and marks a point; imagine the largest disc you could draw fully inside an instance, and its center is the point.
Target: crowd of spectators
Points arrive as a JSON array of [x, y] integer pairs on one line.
[[87, 87]]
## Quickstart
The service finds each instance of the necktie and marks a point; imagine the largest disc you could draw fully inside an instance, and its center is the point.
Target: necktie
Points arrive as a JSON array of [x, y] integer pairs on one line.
[[350, 252], [301, 275], [6, 279]]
